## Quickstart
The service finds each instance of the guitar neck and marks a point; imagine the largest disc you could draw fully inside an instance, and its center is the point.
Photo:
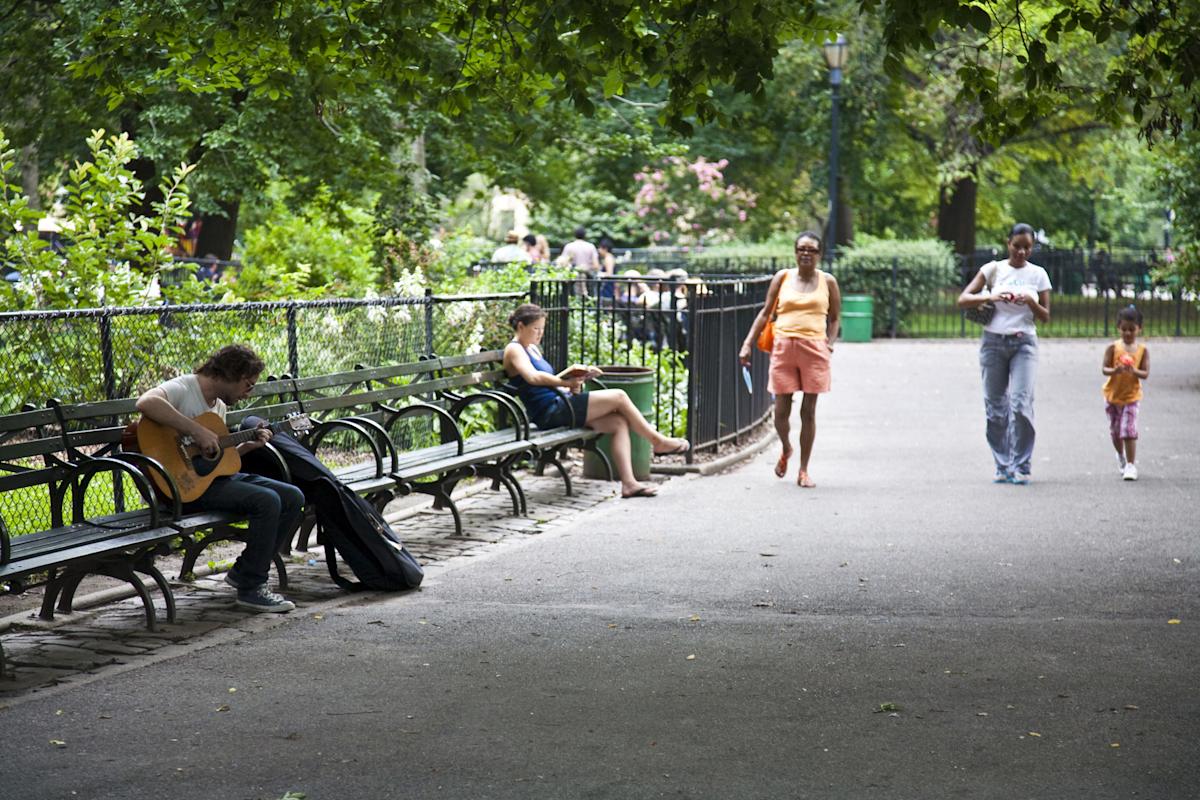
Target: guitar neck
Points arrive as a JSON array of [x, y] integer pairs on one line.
[[234, 439]]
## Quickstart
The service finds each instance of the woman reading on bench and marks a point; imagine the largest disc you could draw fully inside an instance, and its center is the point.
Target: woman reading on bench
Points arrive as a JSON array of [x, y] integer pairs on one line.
[[555, 401]]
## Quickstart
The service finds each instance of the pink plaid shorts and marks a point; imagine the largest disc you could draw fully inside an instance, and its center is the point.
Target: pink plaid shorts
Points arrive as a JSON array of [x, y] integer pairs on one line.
[[1122, 420]]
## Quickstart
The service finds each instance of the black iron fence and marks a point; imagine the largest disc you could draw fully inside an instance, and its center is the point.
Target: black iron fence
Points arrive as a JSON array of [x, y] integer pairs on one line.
[[920, 301], [688, 333]]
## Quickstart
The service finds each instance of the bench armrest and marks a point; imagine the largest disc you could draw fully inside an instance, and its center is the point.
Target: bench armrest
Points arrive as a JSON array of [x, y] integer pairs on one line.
[[462, 403], [147, 465], [278, 459], [5, 542], [381, 437], [86, 470], [450, 432], [314, 439]]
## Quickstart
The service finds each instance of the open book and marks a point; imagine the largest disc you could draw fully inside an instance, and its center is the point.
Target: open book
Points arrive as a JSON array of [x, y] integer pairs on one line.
[[580, 371]]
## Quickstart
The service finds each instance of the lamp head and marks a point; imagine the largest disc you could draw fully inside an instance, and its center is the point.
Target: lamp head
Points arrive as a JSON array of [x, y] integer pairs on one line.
[[836, 52]]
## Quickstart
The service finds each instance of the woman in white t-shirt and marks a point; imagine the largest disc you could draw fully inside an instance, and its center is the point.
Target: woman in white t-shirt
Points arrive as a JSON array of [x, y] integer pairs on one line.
[[1008, 351]]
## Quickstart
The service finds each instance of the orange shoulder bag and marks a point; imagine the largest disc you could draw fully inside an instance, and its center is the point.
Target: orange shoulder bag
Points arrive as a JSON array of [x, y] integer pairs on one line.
[[766, 339]]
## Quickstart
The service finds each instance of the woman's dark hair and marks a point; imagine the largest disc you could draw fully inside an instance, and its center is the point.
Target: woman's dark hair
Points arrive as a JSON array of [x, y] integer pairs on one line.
[[234, 362], [816, 237], [529, 239], [1020, 228], [606, 243], [1130, 313], [526, 314]]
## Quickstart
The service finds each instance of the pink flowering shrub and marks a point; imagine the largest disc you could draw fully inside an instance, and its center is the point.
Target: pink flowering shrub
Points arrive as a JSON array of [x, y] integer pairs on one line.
[[686, 204]]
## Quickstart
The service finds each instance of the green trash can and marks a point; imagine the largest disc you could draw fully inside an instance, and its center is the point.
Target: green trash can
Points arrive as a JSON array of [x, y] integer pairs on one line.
[[858, 317], [638, 383]]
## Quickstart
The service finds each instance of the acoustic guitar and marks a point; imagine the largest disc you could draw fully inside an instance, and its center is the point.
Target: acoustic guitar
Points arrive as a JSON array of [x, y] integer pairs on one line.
[[181, 456]]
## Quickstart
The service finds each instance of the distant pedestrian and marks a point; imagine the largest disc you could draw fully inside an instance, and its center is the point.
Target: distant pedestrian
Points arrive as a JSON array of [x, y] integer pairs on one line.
[[581, 254], [608, 268], [543, 249], [1008, 351], [1127, 364], [807, 307]]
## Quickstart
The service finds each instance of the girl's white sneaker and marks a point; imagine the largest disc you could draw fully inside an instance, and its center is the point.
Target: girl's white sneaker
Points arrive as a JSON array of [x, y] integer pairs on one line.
[[1130, 472], [1121, 463]]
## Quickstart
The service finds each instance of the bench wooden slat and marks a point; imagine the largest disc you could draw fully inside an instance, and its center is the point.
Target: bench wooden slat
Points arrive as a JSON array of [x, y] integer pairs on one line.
[[85, 551]]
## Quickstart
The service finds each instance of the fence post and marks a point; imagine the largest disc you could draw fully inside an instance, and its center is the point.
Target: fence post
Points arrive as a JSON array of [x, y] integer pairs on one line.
[[895, 268], [293, 341], [428, 321], [1106, 312], [689, 363], [106, 356], [564, 323], [1179, 308]]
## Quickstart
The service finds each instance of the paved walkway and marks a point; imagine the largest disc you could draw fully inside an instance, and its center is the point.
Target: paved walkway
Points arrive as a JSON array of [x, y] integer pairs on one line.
[[78, 648], [906, 630]]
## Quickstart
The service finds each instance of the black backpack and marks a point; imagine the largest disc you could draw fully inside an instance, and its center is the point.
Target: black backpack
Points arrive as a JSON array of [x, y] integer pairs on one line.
[[349, 524]]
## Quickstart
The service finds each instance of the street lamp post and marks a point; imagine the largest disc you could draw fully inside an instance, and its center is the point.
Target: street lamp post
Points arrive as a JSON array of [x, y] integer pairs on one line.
[[836, 53]]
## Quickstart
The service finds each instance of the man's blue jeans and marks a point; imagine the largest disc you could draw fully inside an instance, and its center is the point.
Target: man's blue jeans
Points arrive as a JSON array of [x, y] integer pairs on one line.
[[273, 509], [1009, 366]]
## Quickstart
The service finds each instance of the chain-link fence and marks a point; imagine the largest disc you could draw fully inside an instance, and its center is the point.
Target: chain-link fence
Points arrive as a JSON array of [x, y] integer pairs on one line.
[[97, 354]]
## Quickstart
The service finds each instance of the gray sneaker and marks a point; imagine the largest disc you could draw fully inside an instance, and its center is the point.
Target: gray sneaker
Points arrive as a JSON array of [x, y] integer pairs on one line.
[[1121, 463], [262, 599]]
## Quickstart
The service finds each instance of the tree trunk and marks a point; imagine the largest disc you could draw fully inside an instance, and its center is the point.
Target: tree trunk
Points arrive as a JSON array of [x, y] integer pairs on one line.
[[217, 232], [30, 175], [420, 174], [956, 215]]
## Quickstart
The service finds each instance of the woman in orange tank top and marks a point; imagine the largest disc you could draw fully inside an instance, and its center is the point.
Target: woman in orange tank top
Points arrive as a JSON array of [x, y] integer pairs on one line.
[[807, 306]]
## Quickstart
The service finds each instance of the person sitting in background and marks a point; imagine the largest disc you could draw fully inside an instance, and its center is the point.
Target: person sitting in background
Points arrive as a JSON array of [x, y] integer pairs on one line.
[[543, 249], [559, 400], [530, 243], [510, 251]]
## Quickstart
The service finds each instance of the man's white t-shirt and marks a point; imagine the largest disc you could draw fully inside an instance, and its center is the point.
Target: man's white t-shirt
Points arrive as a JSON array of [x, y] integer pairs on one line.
[[184, 395], [1028, 280]]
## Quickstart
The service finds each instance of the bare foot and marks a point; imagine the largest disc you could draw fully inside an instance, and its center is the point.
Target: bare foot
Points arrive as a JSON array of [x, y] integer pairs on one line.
[[804, 481]]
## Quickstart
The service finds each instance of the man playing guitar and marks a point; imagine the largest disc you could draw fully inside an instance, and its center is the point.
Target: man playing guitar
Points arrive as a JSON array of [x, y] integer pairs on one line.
[[272, 507]]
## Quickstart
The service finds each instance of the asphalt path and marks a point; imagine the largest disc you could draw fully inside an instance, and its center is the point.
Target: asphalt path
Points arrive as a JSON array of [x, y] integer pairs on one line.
[[905, 630]]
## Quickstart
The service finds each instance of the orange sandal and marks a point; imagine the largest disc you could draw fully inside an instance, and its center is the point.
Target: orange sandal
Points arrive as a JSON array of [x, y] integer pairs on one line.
[[781, 465], [805, 482]]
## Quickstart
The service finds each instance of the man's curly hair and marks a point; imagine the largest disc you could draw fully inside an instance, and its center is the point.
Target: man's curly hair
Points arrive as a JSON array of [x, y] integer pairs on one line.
[[233, 363]]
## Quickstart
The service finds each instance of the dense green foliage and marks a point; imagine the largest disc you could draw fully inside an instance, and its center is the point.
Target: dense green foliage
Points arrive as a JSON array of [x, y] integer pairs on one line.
[[115, 254], [908, 271]]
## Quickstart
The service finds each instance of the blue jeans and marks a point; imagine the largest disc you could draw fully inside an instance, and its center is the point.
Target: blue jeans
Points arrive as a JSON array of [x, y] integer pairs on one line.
[[273, 509], [1009, 366]]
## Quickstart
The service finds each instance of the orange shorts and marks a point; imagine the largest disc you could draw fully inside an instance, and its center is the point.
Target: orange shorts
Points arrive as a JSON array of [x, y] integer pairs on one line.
[[799, 365]]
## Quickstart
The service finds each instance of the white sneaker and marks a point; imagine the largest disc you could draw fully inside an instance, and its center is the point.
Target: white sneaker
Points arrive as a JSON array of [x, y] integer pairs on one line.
[[1121, 463], [1130, 472]]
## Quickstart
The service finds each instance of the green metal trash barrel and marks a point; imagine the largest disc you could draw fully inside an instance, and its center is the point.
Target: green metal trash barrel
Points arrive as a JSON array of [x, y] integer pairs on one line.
[[858, 317], [638, 383]]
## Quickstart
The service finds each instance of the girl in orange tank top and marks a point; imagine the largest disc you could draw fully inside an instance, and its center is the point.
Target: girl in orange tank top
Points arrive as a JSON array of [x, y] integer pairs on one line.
[[1127, 364]]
